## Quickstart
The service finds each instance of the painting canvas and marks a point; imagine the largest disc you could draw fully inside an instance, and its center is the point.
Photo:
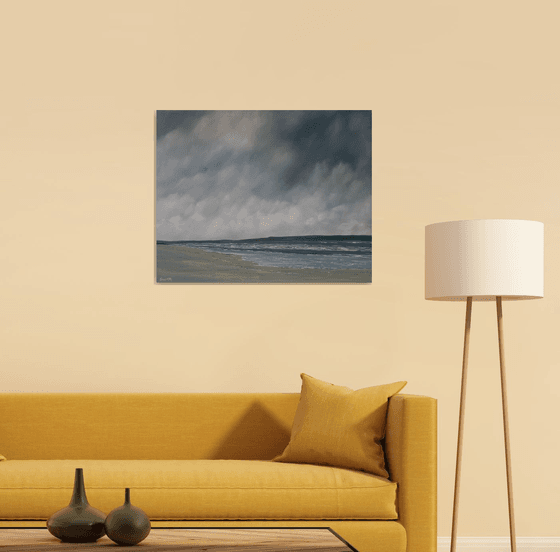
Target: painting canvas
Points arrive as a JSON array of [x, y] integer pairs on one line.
[[272, 197]]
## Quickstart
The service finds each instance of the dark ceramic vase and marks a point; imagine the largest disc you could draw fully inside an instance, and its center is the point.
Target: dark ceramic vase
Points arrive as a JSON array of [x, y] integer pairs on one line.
[[78, 522], [127, 524]]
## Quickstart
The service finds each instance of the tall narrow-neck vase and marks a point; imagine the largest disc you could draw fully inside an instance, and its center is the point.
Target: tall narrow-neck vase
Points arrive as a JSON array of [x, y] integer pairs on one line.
[[78, 522]]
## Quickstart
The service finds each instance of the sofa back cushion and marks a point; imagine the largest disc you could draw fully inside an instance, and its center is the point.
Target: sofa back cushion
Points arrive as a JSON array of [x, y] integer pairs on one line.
[[145, 426]]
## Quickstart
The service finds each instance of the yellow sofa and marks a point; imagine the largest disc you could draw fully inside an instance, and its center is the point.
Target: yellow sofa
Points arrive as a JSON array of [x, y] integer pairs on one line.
[[204, 460]]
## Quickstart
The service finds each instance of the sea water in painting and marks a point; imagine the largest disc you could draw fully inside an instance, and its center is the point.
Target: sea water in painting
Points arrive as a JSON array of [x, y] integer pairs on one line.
[[248, 197]]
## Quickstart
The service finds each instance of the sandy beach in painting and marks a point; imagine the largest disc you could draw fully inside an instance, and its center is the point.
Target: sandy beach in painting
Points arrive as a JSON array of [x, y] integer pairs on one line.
[[179, 264]]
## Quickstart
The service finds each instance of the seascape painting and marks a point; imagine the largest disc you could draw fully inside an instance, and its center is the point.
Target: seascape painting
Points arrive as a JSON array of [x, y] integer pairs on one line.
[[272, 197]]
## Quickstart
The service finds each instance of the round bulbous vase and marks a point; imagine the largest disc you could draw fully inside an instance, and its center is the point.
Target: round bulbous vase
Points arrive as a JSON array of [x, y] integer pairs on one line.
[[127, 524], [78, 522]]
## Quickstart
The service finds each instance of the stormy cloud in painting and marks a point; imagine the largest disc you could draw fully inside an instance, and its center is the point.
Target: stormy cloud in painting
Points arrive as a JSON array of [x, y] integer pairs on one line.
[[251, 174], [225, 177]]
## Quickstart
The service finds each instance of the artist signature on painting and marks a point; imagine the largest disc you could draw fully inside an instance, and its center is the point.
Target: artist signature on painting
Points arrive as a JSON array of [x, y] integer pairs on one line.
[[165, 280]]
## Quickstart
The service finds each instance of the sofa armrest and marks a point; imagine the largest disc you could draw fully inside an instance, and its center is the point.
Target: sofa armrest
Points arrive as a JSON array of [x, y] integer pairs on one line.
[[411, 456]]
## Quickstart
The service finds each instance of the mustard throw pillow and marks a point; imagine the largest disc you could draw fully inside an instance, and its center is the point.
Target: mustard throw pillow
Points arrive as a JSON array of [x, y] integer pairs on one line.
[[339, 427], [2, 458]]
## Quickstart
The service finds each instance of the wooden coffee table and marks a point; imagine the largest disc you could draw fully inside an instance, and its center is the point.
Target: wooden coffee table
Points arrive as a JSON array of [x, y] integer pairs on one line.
[[214, 539]]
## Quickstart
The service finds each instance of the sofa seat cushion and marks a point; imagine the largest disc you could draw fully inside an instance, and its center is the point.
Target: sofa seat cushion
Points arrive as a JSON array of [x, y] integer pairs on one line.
[[198, 489]]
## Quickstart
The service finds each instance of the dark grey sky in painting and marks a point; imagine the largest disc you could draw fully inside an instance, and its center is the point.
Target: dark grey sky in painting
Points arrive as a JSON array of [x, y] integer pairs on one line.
[[253, 174]]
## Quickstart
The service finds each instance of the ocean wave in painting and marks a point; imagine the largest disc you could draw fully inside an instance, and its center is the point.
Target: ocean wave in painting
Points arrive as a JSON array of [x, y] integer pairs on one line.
[[322, 252]]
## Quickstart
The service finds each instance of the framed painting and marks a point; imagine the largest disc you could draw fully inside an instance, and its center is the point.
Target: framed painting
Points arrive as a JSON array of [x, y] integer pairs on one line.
[[272, 197]]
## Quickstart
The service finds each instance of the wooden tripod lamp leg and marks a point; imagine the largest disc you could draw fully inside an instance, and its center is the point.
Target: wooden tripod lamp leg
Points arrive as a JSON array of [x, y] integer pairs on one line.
[[461, 419], [506, 424]]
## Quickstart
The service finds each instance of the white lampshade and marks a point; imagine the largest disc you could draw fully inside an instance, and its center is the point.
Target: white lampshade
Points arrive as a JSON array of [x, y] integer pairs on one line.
[[484, 259]]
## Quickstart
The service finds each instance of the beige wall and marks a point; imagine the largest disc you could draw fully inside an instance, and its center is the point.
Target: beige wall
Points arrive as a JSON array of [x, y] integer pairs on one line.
[[466, 120]]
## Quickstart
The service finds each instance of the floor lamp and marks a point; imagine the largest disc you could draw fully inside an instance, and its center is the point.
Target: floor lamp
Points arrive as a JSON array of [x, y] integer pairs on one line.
[[483, 260]]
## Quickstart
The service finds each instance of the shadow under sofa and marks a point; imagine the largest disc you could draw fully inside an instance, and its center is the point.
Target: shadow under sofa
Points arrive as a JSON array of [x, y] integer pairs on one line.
[[204, 460]]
